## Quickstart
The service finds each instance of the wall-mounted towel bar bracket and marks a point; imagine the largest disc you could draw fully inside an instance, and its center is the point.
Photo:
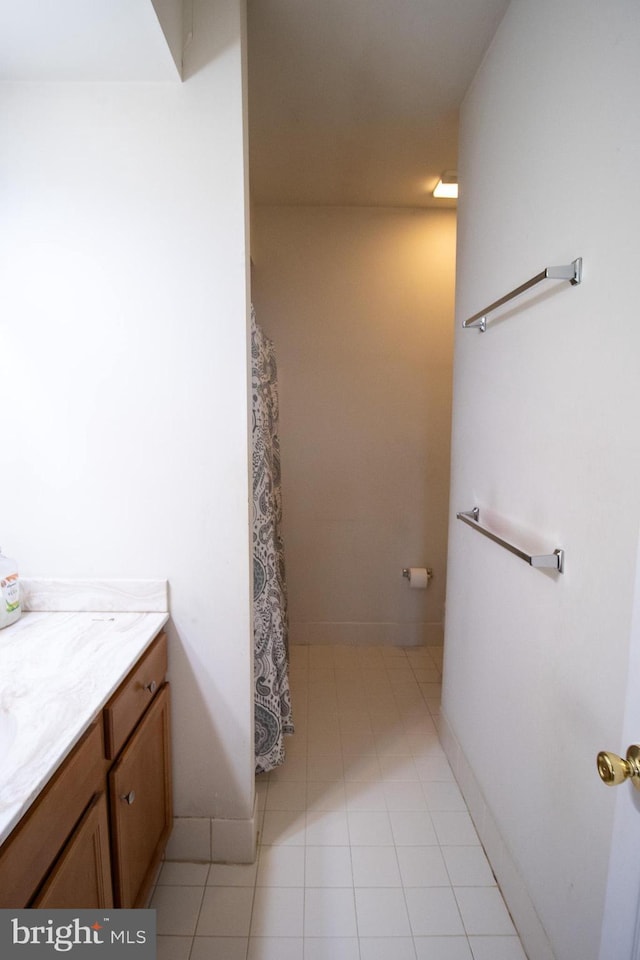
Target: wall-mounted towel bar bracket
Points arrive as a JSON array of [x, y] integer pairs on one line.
[[552, 561], [570, 271]]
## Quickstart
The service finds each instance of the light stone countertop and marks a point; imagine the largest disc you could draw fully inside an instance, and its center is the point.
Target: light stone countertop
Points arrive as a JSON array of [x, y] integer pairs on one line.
[[57, 671]]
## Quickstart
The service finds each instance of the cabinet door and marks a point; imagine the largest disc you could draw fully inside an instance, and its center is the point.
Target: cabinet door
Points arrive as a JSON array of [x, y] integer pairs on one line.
[[26, 858], [140, 801], [81, 877]]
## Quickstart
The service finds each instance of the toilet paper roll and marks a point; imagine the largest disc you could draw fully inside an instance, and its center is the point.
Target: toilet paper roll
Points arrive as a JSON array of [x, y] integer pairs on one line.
[[418, 578]]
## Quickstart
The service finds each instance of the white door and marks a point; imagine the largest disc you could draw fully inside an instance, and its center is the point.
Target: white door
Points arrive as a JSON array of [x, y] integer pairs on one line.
[[621, 924]]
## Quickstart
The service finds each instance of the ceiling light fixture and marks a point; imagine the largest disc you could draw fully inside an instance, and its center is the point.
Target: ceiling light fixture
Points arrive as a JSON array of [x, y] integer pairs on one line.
[[447, 186]]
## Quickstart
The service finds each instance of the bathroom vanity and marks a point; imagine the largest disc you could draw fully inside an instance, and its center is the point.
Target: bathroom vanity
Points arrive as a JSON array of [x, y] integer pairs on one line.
[[85, 774]]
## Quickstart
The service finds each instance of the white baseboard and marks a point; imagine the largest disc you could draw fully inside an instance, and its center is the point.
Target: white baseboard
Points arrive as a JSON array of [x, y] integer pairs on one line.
[[213, 840], [234, 841], [190, 840], [514, 890], [365, 634]]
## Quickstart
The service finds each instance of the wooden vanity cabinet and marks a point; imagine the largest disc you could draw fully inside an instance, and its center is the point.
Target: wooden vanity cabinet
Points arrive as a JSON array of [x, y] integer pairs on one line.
[[47, 830], [128, 704], [96, 834], [137, 737], [141, 817], [81, 877]]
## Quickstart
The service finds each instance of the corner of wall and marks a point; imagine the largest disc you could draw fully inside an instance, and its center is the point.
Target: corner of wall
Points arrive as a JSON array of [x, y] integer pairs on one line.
[[513, 888]]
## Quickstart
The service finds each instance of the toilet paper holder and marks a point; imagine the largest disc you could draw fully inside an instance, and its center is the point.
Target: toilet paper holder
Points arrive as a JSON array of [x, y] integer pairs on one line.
[[406, 574]]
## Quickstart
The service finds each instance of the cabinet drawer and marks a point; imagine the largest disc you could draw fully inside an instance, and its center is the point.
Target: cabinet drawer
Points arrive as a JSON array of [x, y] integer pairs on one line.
[[28, 853], [126, 707]]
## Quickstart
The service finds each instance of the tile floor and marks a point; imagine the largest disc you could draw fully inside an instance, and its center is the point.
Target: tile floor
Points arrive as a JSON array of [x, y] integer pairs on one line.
[[366, 849]]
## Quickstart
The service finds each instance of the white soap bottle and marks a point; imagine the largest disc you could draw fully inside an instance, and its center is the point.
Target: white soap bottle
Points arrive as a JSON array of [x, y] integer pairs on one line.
[[10, 608]]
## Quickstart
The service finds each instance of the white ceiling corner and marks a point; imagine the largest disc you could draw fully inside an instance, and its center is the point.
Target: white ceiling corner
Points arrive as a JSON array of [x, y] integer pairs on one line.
[[90, 40]]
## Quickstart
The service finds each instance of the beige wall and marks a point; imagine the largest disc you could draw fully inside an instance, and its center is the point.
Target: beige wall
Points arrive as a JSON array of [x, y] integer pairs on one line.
[[359, 303]]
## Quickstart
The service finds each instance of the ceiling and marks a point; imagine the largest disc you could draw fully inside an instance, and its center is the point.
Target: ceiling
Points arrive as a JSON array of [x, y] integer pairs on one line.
[[350, 101], [355, 102], [90, 39]]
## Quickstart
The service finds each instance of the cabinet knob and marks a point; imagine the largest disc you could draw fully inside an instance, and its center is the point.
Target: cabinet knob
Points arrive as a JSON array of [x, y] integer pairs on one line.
[[129, 797], [151, 687]]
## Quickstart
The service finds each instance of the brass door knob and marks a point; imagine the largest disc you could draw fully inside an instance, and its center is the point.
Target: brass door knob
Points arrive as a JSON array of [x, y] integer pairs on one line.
[[614, 770]]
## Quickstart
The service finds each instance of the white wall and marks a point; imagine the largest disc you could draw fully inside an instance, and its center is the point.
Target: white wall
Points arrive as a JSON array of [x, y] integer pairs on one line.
[[123, 378], [545, 435], [359, 303]]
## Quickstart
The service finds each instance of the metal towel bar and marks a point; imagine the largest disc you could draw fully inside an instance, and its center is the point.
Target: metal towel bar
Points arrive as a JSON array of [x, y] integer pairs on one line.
[[570, 271], [553, 561]]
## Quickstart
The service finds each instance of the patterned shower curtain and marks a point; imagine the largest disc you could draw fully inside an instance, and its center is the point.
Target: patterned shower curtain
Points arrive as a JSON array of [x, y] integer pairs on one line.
[[273, 717]]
